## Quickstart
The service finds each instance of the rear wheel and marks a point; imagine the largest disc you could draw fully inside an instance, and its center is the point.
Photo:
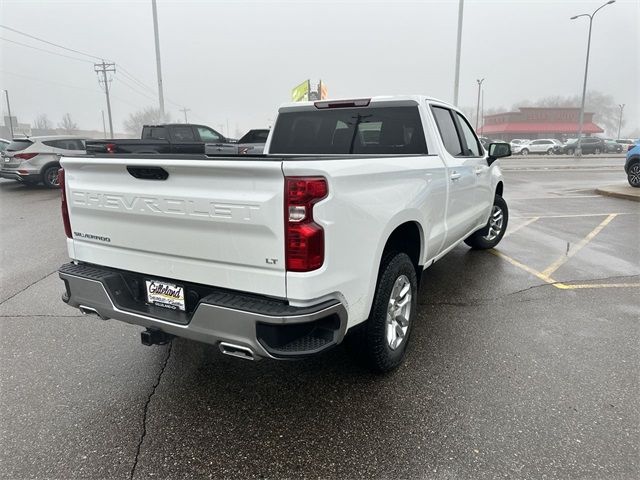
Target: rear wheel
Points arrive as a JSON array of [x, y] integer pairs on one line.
[[524, 152], [489, 236], [550, 151], [50, 177], [634, 175], [381, 341], [570, 151], [597, 151]]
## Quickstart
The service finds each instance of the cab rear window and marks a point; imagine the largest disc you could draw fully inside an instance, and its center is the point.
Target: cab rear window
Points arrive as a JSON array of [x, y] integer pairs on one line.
[[381, 131]]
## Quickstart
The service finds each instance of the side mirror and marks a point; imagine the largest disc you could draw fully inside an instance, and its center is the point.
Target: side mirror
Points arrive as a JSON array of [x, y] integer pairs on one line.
[[498, 150]]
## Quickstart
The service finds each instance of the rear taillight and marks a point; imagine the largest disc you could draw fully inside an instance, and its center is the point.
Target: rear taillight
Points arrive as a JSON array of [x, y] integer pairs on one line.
[[111, 147], [65, 208], [25, 156], [304, 238]]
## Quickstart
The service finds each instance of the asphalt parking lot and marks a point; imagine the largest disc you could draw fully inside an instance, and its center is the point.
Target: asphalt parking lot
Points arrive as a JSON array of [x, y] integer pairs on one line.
[[524, 363]]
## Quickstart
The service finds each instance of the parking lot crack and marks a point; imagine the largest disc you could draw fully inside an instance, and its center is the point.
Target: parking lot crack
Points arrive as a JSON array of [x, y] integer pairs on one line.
[[143, 434], [26, 287]]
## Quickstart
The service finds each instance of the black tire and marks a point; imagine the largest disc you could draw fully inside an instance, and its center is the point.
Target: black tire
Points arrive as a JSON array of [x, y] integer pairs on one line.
[[482, 240], [524, 152], [570, 151], [596, 151], [634, 175], [368, 342], [550, 151], [50, 176]]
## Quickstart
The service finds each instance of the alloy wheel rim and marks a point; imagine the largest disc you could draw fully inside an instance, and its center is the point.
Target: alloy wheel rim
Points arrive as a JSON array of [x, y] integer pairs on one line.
[[634, 174], [52, 176], [398, 312], [495, 223]]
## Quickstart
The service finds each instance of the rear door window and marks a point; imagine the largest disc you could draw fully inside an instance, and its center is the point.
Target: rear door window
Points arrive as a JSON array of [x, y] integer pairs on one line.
[[183, 134], [370, 130], [448, 131], [18, 145], [154, 133]]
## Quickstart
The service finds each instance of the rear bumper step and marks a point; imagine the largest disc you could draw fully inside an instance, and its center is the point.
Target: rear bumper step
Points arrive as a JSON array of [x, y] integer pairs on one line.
[[242, 325]]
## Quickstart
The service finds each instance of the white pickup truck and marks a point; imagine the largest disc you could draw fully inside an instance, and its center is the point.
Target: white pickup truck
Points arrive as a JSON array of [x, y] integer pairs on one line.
[[282, 255]]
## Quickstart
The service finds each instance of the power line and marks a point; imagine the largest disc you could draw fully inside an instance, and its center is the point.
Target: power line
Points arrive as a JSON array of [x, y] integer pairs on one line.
[[66, 85], [50, 43], [47, 51], [120, 80]]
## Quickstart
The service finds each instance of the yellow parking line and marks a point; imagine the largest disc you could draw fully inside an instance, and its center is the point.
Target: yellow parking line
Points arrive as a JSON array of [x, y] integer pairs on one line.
[[596, 285], [524, 267], [574, 215], [522, 225], [561, 261], [559, 285]]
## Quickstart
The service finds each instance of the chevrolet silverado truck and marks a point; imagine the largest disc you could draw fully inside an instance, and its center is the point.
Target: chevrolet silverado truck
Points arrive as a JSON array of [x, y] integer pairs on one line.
[[181, 138], [284, 255]]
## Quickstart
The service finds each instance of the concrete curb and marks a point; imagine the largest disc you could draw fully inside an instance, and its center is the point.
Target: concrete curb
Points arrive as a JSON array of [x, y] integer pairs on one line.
[[620, 191]]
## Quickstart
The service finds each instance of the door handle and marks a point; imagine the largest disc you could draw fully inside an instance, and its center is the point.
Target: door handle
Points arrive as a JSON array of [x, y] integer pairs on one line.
[[480, 170], [455, 175]]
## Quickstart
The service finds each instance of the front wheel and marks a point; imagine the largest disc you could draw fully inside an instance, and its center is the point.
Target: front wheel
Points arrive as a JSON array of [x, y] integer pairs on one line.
[[50, 177], [597, 151], [524, 152], [381, 341], [634, 175], [489, 236], [550, 151]]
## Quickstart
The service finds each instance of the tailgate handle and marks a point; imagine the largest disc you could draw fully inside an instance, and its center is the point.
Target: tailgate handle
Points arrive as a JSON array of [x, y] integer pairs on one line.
[[148, 173]]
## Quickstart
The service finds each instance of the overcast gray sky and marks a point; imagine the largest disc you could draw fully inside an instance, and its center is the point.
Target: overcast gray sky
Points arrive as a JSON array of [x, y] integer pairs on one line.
[[238, 60]]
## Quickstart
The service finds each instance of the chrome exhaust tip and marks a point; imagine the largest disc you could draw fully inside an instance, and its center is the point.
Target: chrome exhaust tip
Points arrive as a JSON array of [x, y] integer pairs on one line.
[[236, 351], [88, 310]]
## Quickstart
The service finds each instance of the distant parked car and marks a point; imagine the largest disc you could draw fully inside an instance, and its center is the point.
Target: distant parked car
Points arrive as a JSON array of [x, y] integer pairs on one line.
[[626, 143], [517, 144], [3, 144], [36, 159], [632, 165], [611, 146], [253, 141], [542, 146], [593, 145]]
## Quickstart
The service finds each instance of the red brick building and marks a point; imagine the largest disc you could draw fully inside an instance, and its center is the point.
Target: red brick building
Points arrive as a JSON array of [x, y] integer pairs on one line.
[[534, 122]]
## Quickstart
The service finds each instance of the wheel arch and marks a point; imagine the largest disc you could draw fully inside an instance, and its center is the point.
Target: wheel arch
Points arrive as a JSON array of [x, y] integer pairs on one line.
[[408, 238], [500, 188]]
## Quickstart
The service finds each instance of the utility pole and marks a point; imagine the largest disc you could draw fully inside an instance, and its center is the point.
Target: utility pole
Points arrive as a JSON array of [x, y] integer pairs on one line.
[[480, 80], [456, 83], [104, 127], [185, 110], [103, 68], [6, 94], [157, 37], [621, 106]]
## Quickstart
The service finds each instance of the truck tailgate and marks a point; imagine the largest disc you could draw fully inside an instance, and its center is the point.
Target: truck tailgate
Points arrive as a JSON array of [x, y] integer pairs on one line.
[[216, 222]]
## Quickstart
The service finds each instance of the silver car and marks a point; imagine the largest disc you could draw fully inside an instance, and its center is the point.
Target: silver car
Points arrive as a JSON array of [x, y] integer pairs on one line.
[[36, 159]]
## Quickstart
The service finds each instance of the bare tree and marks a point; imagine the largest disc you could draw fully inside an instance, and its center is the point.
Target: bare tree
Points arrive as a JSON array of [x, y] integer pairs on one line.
[[67, 124], [148, 116], [42, 122]]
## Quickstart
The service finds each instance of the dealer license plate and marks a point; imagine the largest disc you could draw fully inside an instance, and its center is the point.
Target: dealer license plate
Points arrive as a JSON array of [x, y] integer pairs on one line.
[[165, 295]]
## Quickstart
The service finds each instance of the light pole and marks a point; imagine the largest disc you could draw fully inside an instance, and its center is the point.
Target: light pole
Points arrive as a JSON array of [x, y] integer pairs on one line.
[[480, 80], [456, 82], [620, 120], [6, 94], [158, 66], [586, 70]]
